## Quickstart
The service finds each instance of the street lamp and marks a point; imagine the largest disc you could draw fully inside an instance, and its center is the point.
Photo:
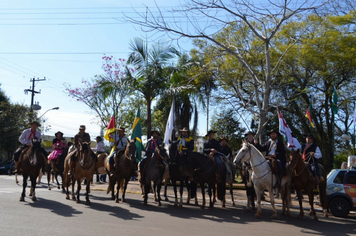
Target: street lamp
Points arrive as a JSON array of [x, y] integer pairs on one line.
[[54, 108]]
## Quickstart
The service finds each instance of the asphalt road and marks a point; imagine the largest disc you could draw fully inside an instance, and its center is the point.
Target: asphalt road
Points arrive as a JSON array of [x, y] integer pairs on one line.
[[53, 215]]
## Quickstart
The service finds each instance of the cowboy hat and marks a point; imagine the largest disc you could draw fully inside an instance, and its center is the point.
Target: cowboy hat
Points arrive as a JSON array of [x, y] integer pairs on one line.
[[210, 132], [250, 132], [155, 131], [273, 131], [35, 122], [224, 138], [58, 132], [121, 129], [310, 136], [184, 129], [82, 127]]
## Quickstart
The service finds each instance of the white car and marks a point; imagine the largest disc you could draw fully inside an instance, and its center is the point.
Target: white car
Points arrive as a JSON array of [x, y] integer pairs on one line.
[[341, 191]]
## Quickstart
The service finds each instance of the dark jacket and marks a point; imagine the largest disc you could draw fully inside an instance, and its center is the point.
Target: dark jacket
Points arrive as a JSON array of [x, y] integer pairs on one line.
[[85, 137], [211, 144], [226, 150], [189, 144], [280, 150], [311, 148], [151, 146]]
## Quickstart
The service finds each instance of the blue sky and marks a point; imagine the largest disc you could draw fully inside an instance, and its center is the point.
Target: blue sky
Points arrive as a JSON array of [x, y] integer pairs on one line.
[[57, 40]]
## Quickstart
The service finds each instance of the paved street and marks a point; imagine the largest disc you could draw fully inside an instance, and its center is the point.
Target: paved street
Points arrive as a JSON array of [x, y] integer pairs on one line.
[[53, 215]]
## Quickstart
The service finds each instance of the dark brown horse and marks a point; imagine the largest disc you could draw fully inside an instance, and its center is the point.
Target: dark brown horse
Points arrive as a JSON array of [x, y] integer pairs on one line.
[[303, 179], [31, 161], [58, 169], [125, 162], [84, 169]]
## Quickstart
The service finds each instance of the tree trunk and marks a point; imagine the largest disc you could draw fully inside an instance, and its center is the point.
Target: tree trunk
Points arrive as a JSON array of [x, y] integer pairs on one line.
[[149, 118]]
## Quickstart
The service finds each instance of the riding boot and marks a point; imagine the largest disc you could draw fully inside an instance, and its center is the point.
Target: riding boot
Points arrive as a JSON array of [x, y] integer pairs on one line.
[[17, 167]]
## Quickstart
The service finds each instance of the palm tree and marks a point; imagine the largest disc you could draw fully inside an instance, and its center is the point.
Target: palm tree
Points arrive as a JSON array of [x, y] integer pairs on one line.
[[151, 73]]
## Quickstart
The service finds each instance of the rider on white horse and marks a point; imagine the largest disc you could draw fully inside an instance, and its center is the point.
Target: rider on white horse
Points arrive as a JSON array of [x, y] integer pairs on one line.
[[275, 148]]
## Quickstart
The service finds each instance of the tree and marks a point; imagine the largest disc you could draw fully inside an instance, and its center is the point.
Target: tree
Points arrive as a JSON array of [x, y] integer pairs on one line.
[[259, 22], [107, 92], [226, 125], [151, 71]]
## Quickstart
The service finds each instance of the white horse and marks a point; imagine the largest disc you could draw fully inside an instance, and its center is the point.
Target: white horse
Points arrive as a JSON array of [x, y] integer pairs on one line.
[[262, 176]]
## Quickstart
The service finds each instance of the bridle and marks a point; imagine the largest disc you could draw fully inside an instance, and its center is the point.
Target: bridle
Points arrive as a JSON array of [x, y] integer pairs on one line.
[[254, 166]]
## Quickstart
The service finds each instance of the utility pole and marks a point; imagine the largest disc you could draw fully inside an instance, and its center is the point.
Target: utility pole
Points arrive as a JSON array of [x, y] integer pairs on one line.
[[33, 92]]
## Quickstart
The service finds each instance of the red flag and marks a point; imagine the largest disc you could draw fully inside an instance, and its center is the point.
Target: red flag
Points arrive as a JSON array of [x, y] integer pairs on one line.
[[307, 115]]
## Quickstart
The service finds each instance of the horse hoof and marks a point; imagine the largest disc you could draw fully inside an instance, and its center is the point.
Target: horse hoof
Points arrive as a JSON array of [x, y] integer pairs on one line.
[[34, 199], [257, 216], [202, 207], [223, 206], [30, 195], [117, 200], [159, 204], [78, 201], [274, 217], [49, 188], [166, 199], [233, 204], [300, 216], [316, 218], [145, 203], [210, 208], [67, 197], [123, 200], [22, 199], [87, 202], [112, 198], [58, 187]]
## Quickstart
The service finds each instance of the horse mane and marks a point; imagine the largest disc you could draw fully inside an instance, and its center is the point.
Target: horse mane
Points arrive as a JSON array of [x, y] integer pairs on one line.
[[253, 146]]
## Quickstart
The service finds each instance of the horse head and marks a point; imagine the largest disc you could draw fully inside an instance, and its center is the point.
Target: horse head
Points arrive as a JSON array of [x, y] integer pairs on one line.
[[161, 152], [244, 153], [295, 158], [173, 150], [130, 151], [35, 151], [84, 152]]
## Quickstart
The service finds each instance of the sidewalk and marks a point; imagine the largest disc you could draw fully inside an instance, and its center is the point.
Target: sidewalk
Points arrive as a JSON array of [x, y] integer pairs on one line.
[[239, 195]]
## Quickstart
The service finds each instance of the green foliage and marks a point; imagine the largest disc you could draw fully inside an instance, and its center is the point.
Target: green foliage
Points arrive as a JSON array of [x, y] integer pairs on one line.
[[339, 159], [226, 125]]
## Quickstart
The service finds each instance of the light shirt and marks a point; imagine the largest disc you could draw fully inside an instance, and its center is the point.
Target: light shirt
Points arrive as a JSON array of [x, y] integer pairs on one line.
[[99, 147], [27, 136], [121, 142], [273, 147]]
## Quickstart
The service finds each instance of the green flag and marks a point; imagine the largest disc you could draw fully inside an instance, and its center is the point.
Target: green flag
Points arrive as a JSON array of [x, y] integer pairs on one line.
[[335, 100], [137, 134]]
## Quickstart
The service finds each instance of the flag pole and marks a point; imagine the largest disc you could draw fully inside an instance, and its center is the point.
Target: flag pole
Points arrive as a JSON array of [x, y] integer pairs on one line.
[[353, 138]]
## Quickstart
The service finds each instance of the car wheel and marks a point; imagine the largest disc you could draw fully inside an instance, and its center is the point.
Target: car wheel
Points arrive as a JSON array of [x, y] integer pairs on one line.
[[339, 207]]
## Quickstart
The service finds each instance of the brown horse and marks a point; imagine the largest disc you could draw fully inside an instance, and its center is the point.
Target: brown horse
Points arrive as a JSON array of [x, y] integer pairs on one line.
[[84, 169], [303, 179], [31, 161], [125, 162]]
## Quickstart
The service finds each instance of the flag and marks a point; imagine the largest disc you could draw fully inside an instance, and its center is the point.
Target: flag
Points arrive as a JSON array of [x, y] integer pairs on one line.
[[137, 134], [169, 125], [335, 100], [307, 115], [285, 130], [110, 129]]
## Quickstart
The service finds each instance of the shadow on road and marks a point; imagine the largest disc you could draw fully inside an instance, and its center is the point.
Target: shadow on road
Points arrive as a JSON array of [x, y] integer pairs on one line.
[[55, 207]]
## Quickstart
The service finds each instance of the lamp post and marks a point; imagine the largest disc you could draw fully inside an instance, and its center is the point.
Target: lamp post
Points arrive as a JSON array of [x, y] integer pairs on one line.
[[54, 108]]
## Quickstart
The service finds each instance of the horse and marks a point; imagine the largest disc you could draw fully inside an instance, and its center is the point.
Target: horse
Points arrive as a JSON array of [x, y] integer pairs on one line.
[[230, 176], [202, 169], [59, 169], [83, 169], [262, 177], [153, 172], [303, 179], [31, 161], [125, 162], [178, 171]]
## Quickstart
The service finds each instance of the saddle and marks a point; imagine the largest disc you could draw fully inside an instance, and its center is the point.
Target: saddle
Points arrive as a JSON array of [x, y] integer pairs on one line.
[[273, 164]]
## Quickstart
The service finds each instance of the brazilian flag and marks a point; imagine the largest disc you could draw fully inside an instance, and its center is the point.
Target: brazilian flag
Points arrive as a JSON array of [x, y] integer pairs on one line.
[[137, 134]]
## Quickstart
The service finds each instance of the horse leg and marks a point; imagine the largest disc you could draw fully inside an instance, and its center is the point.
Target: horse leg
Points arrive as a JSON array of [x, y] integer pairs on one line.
[[125, 187], [165, 189], [301, 210], [181, 193], [24, 185], [311, 202], [79, 188], [259, 196], [117, 190], [159, 186], [271, 195], [87, 201], [48, 179], [211, 202], [232, 195], [73, 183], [174, 183], [147, 187], [16, 180], [203, 195], [39, 176], [322, 196], [33, 188]]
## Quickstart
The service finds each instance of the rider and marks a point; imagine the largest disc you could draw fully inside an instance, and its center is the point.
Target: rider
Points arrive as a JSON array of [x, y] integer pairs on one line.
[[58, 137], [185, 142], [311, 154], [120, 143], [275, 148], [212, 147], [150, 148], [224, 148], [249, 137], [26, 139], [85, 137]]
